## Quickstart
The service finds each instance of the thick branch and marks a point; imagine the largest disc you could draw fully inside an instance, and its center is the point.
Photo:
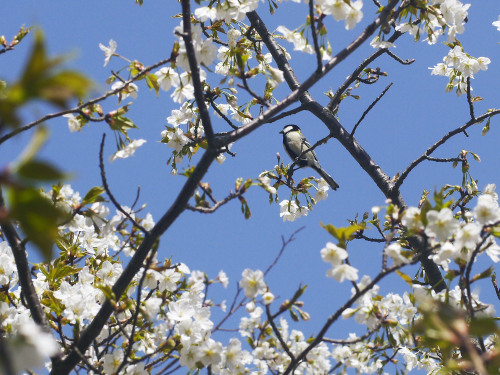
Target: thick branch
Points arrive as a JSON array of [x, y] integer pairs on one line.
[[381, 179], [94, 328], [195, 71], [299, 90]]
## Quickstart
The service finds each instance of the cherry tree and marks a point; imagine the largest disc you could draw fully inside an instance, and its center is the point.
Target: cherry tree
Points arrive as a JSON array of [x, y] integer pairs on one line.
[[105, 300]]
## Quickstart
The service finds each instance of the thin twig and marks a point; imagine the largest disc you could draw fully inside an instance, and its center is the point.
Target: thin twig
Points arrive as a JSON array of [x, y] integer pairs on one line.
[[335, 100], [80, 107], [286, 114], [399, 59], [108, 191], [224, 117], [469, 100], [369, 108], [86, 361], [433, 148], [216, 205], [195, 71], [284, 244], [130, 343], [245, 86], [443, 160], [315, 36], [278, 334], [356, 340], [333, 318]]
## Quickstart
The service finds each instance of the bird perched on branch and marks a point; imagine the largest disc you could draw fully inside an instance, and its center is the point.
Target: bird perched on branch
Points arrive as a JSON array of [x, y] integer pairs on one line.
[[296, 145]]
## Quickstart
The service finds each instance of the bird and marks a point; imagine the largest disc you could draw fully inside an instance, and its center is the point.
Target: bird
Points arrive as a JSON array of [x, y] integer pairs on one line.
[[295, 144]]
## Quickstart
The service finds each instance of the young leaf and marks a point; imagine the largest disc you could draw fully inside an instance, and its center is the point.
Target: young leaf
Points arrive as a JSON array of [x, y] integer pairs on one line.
[[38, 217], [40, 170]]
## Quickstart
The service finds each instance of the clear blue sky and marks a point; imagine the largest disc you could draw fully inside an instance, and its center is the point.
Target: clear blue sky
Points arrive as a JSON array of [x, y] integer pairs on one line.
[[414, 114]]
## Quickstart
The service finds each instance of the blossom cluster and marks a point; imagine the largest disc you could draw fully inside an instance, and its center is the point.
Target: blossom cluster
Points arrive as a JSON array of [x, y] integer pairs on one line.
[[458, 66], [291, 210], [441, 16], [454, 240]]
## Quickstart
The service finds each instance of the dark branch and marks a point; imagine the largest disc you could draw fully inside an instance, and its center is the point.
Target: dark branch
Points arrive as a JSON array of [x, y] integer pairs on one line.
[[369, 108], [195, 71], [216, 205], [315, 35], [398, 59], [108, 191], [469, 100], [23, 270], [94, 328], [79, 108], [439, 143], [286, 114], [276, 331]]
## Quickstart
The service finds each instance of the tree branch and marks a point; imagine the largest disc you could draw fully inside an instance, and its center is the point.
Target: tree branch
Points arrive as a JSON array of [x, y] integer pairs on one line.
[[65, 366], [78, 109], [315, 35], [439, 143], [381, 179], [108, 191], [333, 318], [285, 347], [369, 108], [195, 71], [216, 205]]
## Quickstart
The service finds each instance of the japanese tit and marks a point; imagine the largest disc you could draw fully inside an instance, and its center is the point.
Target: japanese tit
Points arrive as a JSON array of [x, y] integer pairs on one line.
[[295, 144]]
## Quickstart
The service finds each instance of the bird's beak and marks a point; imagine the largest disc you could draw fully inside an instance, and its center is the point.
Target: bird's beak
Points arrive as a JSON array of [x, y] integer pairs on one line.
[[281, 132]]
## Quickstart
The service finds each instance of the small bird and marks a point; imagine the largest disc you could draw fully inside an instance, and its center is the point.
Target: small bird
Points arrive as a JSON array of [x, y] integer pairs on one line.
[[295, 144]]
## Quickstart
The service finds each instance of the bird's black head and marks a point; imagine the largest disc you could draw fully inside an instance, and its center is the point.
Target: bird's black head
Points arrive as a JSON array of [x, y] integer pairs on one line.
[[290, 128]]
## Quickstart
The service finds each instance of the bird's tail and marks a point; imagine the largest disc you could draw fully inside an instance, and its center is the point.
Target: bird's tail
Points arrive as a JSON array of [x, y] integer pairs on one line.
[[326, 177]]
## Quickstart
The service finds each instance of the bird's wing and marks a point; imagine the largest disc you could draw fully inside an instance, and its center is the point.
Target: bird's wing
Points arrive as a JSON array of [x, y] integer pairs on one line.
[[305, 146]]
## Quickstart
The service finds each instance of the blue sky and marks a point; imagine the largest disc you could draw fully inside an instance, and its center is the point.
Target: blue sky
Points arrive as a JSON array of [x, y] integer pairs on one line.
[[414, 114]]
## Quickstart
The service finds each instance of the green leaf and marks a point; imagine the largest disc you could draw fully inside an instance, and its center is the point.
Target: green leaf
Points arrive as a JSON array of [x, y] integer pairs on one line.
[[475, 156], [343, 234], [41, 80], [52, 303], [93, 195], [298, 294], [38, 217], [120, 123], [61, 271], [483, 275], [483, 326], [40, 170], [245, 209], [64, 86], [486, 127], [36, 142], [405, 277]]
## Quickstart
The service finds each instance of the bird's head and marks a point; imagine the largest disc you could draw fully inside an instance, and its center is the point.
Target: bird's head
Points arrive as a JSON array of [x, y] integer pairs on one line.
[[290, 128]]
